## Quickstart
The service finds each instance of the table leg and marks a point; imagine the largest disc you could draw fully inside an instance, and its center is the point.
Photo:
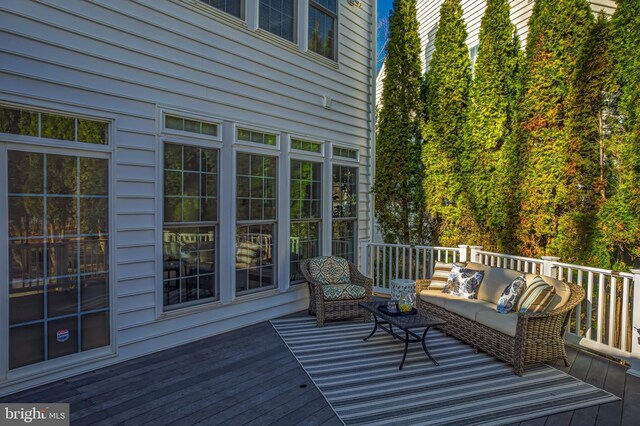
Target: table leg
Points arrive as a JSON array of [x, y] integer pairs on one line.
[[424, 346], [406, 346], [375, 327]]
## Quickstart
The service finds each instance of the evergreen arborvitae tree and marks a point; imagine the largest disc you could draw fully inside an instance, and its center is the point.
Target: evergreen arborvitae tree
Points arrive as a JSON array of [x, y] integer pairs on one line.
[[399, 201], [589, 95], [443, 155], [619, 218], [494, 150], [556, 30]]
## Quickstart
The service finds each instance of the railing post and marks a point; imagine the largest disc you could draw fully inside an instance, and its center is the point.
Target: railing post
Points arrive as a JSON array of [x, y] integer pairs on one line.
[[634, 360], [474, 253], [547, 266], [462, 252], [364, 264]]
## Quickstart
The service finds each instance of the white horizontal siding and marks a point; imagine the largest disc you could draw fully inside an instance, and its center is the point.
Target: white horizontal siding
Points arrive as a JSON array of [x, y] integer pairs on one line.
[[122, 60]]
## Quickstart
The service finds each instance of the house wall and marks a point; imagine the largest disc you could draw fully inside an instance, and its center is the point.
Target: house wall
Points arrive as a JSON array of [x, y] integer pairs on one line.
[[126, 62]]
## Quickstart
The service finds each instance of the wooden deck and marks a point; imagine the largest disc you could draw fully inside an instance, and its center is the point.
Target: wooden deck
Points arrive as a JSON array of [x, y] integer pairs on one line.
[[248, 376]]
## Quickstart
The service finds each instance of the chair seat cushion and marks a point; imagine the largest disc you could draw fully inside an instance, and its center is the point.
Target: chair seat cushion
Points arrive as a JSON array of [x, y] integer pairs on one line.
[[330, 270], [504, 323], [437, 297], [342, 292]]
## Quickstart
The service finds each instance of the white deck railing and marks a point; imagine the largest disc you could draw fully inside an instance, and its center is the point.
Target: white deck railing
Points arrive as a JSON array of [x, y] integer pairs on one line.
[[603, 322]]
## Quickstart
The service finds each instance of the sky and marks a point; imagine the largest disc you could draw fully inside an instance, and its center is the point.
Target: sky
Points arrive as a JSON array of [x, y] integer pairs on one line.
[[384, 8]]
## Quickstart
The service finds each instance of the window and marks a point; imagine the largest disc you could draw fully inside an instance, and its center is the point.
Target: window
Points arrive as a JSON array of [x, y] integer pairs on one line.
[[277, 17], [345, 205], [58, 255], [301, 145], [232, 7], [257, 137], [53, 126], [190, 224], [306, 212], [256, 222], [323, 15], [351, 154], [190, 126]]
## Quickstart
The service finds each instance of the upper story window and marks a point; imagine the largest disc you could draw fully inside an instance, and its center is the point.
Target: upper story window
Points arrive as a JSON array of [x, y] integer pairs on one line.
[[232, 7], [323, 17], [53, 126], [277, 17]]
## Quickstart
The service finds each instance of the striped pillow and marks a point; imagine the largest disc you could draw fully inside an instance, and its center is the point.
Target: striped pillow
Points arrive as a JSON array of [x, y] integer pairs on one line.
[[440, 275], [536, 297]]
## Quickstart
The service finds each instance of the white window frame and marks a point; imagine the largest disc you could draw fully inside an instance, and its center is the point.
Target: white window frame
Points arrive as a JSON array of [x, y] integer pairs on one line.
[[256, 145], [301, 152], [345, 162], [336, 29], [190, 116], [296, 23], [339, 158], [10, 142]]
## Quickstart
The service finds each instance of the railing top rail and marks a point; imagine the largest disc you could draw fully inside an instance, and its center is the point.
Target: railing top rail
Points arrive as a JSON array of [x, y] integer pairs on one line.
[[590, 269], [412, 246], [511, 256]]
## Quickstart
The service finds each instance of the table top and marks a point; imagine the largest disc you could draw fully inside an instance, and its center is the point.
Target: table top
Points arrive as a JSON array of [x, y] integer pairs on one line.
[[421, 319]]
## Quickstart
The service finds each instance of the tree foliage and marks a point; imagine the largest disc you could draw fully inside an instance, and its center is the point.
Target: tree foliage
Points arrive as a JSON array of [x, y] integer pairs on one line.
[[399, 206], [556, 30], [490, 139], [443, 155], [619, 219]]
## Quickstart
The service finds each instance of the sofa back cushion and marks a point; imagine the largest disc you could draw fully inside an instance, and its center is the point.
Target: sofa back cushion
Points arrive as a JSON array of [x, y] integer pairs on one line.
[[562, 291], [494, 282], [330, 270]]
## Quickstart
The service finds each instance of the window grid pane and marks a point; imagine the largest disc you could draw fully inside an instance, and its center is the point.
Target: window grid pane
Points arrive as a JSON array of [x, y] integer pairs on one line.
[[277, 17], [255, 269], [306, 145], [190, 216], [344, 192], [343, 239], [232, 7], [321, 32], [58, 256], [191, 126]]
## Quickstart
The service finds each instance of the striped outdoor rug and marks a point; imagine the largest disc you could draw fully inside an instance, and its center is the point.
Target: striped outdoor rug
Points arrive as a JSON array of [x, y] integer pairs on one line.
[[362, 382]]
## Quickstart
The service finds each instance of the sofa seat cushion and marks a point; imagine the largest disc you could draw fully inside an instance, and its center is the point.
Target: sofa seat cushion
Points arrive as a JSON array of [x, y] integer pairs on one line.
[[468, 308], [436, 297], [330, 270], [494, 282], [505, 324], [332, 292]]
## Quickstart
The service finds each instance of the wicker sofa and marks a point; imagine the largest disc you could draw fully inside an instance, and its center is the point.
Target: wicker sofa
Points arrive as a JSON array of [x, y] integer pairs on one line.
[[516, 338]]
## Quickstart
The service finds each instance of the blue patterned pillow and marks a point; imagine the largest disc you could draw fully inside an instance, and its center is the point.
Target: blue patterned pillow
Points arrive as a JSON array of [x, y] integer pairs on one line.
[[330, 270], [452, 282], [511, 294], [466, 283]]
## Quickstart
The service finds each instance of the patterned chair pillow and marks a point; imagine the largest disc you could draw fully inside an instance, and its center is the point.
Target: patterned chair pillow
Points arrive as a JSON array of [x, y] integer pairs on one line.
[[537, 296], [342, 292], [466, 283], [330, 270], [511, 295]]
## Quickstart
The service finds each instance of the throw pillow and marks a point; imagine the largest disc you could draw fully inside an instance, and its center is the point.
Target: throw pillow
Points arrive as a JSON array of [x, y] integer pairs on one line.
[[511, 295], [440, 275], [468, 283], [452, 278], [330, 270], [537, 296]]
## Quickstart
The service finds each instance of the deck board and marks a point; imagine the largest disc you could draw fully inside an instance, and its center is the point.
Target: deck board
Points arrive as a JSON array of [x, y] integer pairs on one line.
[[249, 377]]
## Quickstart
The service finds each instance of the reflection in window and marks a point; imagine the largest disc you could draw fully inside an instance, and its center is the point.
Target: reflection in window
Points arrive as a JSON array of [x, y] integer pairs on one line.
[[306, 211], [52, 126], [323, 16], [277, 17], [58, 256], [345, 205], [190, 217], [256, 222], [232, 7]]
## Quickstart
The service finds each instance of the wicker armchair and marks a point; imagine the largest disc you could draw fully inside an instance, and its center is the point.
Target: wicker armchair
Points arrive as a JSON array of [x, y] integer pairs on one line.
[[336, 309]]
